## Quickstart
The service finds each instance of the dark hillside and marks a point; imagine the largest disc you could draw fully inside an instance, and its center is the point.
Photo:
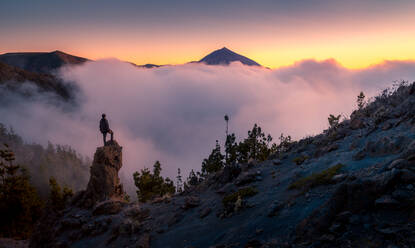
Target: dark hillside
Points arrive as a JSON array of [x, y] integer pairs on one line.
[[41, 62], [351, 186], [60, 162], [13, 78]]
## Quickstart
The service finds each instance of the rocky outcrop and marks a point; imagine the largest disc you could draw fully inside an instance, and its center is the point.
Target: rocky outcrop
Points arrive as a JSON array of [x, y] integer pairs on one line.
[[89, 210], [104, 183]]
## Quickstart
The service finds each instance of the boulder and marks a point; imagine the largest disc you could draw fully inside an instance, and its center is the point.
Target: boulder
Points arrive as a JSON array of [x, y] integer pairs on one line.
[[275, 207], [339, 177], [143, 241], [386, 201], [108, 207], [135, 212], [403, 195], [246, 178], [359, 155], [407, 176], [276, 161], [205, 212], [227, 188], [398, 163], [357, 123], [191, 202]]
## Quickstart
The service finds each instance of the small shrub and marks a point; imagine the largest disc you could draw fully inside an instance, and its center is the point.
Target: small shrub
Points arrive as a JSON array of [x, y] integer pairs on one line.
[[300, 160], [361, 100], [334, 121], [242, 193], [316, 179]]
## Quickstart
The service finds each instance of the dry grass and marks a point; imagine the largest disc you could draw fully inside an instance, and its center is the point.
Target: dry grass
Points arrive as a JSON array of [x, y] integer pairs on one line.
[[316, 179]]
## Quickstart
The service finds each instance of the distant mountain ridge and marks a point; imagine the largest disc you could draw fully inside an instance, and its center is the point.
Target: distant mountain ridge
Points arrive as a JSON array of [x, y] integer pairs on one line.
[[40, 62], [13, 78], [224, 56], [48, 62]]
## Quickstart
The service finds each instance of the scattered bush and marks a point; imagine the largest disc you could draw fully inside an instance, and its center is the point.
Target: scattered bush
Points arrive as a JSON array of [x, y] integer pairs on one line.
[[151, 185], [316, 179], [242, 193], [300, 160], [192, 180], [256, 146], [334, 121]]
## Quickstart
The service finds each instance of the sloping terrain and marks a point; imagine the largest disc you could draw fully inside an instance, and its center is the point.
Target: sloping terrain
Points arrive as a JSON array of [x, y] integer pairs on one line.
[[40, 62], [15, 79], [351, 186], [58, 161]]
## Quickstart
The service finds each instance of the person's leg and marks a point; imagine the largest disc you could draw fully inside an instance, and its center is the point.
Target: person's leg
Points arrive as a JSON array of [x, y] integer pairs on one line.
[[112, 135], [105, 137]]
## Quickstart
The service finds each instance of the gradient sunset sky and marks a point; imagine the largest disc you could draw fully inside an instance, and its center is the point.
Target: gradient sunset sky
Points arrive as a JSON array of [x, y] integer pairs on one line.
[[275, 33]]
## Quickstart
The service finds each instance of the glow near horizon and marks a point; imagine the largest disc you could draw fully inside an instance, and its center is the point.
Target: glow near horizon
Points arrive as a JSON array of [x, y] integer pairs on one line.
[[356, 35]]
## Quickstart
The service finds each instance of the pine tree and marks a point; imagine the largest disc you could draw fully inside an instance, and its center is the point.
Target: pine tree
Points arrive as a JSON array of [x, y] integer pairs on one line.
[[231, 148], [20, 204], [214, 162], [150, 185], [255, 146], [361, 100], [226, 132], [58, 197], [179, 182], [285, 142], [193, 179]]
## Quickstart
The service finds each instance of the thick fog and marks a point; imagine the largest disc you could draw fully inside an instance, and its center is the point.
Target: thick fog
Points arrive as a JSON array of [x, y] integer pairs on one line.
[[175, 113]]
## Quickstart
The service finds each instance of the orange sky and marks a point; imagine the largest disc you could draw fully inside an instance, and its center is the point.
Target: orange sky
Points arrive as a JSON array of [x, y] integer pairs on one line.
[[357, 34]]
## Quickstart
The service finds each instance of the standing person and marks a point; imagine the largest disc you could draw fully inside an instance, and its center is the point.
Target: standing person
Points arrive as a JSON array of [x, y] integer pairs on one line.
[[104, 127]]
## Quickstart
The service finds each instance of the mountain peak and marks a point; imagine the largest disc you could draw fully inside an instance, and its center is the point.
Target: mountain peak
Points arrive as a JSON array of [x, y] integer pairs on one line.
[[225, 56]]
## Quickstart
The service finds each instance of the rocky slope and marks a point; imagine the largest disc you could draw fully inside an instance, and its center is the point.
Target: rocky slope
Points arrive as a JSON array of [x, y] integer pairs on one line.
[[351, 186]]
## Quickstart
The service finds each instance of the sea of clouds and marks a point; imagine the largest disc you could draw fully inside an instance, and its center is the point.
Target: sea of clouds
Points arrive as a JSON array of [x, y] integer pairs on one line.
[[175, 113]]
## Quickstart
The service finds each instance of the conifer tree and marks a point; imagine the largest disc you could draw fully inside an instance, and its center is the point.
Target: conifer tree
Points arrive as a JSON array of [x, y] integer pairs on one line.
[[214, 162], [20, 204], [150, 185], [179, 182], [255, 146], [227, 123], [231, 148], [58, 197], [193, 179], [361, 100]]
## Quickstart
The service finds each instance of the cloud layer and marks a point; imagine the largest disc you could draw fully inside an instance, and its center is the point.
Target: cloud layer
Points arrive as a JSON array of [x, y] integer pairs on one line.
[[175, 113]]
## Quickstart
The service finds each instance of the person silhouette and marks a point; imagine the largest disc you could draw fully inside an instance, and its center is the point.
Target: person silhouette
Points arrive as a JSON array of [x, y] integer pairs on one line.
[[104, 127]]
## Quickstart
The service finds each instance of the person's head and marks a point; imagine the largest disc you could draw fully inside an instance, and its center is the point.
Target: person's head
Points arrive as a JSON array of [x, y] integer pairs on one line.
[[103, 116]]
